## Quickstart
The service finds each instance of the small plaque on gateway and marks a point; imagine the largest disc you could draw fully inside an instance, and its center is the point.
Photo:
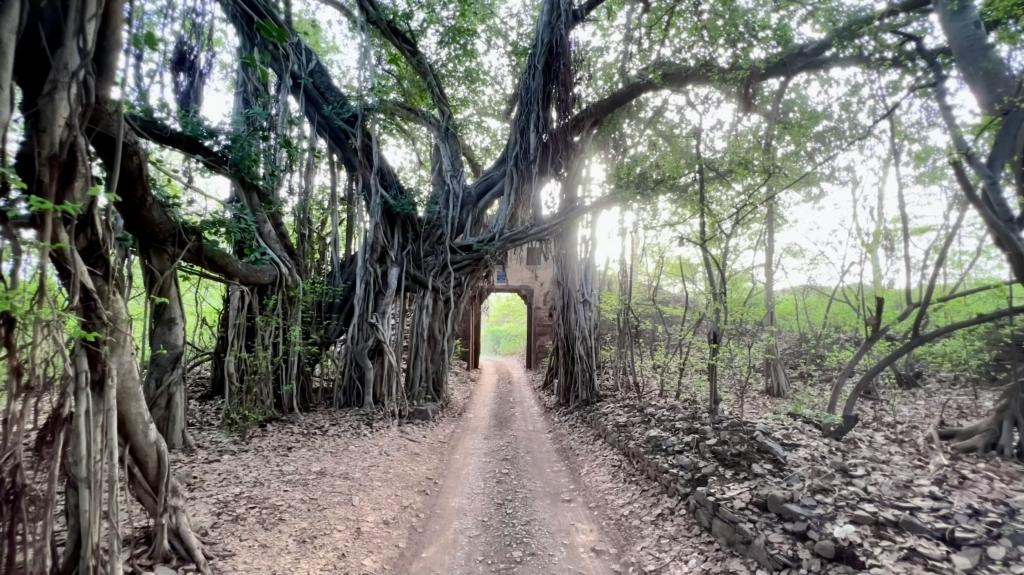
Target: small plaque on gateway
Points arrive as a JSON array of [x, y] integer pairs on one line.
[[499, 277]]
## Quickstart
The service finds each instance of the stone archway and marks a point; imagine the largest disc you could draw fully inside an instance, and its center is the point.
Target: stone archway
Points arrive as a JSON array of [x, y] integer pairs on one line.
[[529, 274], [469, 332]]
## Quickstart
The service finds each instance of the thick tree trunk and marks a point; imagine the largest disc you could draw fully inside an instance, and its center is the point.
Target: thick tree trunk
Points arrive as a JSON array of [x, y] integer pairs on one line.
[[164, 387], [104, 372], [106, 381], [991, 81], [574, 354], [85, 272], [104, 357], [259, 356], [149, 473], [431, 344], [10, 18], [371, 366]]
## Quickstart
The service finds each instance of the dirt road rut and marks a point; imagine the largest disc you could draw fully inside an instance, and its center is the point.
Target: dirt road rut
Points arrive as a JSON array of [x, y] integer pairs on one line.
[[507, 503]]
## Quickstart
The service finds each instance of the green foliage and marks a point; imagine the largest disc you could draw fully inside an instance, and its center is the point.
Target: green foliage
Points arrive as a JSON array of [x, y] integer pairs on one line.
[[11, 177], [79, 333], [201, 302], [402, 205], [236, 227], [147, 39], [804, 309], [37, 204], [97, 192], [457, 350], [1006, 17], [503, 330], [272, 31], [647, 150]]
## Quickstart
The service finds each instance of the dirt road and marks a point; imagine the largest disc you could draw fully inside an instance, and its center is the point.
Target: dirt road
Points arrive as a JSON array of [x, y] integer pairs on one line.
[[507, 503]]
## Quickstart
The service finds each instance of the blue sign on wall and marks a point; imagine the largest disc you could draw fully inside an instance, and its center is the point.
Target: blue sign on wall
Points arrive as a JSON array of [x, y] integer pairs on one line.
[[500, 277]]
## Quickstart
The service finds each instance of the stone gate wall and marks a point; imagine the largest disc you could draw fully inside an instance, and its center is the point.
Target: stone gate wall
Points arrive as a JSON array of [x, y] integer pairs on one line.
[[528, 271]]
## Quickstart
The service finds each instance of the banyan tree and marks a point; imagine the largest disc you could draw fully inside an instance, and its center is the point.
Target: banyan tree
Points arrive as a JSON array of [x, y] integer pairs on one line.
[[344, 267]]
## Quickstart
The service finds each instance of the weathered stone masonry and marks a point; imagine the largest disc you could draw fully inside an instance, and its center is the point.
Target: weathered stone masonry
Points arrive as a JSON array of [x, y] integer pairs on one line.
[[529, 272]]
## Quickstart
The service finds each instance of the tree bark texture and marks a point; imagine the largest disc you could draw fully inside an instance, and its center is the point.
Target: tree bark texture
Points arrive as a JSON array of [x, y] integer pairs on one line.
[[164, 386], [776, 381], [574, 355]]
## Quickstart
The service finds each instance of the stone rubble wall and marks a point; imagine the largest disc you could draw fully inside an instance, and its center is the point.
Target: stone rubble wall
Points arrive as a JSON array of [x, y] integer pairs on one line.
[[794, 507], [731, 530]]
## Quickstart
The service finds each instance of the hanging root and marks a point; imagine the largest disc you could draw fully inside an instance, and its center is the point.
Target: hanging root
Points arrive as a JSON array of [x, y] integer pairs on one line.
[[172, 529], [1002, 431]]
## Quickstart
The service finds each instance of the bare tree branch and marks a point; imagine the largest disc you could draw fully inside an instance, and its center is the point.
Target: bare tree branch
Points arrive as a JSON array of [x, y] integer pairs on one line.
[[147, 219], [409, 49], [802, 58], [432, 123], [580, 13]]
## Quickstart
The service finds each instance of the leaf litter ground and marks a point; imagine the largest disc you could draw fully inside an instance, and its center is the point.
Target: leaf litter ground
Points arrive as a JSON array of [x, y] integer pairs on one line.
[[344, 492], [886, 500]]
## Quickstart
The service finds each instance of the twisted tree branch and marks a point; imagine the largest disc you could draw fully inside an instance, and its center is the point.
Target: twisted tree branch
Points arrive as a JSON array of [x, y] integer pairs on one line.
[[146, 218]]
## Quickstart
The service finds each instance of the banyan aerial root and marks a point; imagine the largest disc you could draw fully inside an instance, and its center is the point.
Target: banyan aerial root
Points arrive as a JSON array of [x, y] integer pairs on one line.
[[1002, 431]]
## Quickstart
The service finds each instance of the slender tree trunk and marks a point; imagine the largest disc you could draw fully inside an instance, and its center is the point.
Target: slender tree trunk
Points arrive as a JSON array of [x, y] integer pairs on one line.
[[717, 301], [682, 334], [164, 387], [625, 365], [828, 307], [686, 355], [873, 338], [904, 378], [350, 215], [1002, 422], [775, 378], [901, 204]]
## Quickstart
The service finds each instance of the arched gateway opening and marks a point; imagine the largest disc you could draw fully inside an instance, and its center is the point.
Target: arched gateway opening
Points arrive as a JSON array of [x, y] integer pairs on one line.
[[504, 325], [529, 273]]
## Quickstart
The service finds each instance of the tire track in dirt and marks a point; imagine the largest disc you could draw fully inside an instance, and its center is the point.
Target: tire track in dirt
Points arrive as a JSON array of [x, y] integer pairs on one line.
[[507, 503]]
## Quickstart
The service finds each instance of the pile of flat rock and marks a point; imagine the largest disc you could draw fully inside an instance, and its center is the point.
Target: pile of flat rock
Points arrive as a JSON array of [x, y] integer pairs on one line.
[[795, 502]]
